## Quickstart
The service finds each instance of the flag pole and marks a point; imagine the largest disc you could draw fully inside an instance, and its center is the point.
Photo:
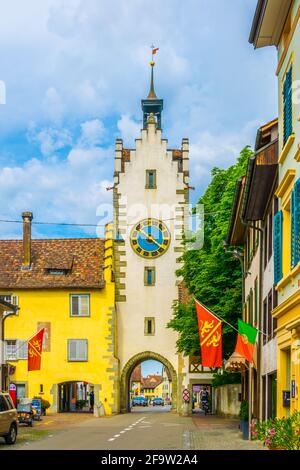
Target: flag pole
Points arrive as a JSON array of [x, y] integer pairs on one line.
[[17, 349], [214, 315], [224, 321]]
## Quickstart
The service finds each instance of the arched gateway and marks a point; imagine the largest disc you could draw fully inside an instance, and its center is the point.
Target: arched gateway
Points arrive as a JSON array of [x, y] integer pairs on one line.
[[128, 369]]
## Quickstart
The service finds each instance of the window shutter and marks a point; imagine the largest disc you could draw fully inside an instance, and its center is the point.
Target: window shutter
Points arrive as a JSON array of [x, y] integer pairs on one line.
[[78, 350], [75, 305], [72, 350], [288, 105], [277, 247], [82, 347], [295, 224], [22, 349], [84, 305]]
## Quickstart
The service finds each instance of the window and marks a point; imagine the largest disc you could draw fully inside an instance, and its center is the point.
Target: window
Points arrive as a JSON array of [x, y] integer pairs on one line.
[[11, 350], [77, 350], [295, 224], [277, 241], [256, 302], [149, 326], [22, 349], [149, 276], [21, 390], [287, 105], [3, 404], [16, 350], [80, 305], [265, 245], [265, 320], [150, 179], [57, 272], [270, 319]]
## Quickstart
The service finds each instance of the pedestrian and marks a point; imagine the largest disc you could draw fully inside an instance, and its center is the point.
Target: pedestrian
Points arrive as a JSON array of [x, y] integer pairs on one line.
[[92, 400]]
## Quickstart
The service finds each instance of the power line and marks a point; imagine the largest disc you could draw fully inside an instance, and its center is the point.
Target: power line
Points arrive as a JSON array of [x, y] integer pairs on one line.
[[69, 224]]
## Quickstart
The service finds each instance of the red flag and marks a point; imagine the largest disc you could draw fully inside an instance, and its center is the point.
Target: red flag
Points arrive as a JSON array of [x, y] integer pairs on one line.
[[154, 51], [210, 334], [35, 347]]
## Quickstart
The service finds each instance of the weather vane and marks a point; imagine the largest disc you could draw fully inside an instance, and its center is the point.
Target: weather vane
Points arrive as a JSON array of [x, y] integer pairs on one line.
[[154, 51]]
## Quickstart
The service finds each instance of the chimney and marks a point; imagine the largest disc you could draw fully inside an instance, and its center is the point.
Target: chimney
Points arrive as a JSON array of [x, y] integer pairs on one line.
[[27, 218]]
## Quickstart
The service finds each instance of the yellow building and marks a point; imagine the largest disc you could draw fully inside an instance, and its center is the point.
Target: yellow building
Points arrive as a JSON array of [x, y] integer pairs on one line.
[[65, 286], [277, 23], [152, 386]]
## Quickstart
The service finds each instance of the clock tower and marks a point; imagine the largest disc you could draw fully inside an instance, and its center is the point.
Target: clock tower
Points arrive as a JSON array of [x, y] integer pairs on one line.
[[150, 215]]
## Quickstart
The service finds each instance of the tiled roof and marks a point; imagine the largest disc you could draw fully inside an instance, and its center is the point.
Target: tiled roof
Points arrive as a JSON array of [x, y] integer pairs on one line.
[[83, 258], [136, 375], [152, 381]]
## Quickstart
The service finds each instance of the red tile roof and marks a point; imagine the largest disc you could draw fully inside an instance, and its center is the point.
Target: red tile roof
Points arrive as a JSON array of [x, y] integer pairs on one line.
[[83, 258], [151, 381]]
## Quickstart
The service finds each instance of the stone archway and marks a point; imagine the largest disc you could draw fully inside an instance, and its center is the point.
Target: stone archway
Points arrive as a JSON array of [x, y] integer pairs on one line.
[[128, 369]]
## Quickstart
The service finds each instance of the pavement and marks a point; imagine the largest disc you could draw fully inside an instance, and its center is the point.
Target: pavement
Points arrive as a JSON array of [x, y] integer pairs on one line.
[[143, 429]]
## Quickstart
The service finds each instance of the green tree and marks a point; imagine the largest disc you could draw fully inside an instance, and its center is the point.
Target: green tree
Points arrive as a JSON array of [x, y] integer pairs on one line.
[[211, 275]]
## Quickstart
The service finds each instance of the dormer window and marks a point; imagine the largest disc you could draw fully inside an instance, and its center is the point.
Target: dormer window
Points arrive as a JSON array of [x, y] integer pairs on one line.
[[57, 272], [56, 265]]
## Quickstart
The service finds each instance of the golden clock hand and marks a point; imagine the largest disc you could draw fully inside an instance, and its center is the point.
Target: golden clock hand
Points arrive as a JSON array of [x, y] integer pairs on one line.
[[147, 235]]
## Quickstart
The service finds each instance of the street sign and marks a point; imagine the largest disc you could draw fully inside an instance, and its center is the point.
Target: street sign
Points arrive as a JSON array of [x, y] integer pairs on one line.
[[186, 395]]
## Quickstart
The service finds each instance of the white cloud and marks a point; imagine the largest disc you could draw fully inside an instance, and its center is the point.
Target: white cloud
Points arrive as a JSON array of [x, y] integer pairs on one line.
[[129, 129], [49, 139], [92, 133], [85, 62]]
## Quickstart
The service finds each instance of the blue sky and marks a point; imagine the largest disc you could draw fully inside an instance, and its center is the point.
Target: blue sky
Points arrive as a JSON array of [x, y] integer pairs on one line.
[[75, 71], [151, 367]]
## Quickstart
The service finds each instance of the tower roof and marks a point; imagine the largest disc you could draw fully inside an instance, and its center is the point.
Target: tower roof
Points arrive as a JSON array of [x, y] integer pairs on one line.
[[152, 104], [152, 94]]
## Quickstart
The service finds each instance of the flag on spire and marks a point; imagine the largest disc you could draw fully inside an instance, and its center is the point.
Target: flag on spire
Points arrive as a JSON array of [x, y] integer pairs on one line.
[[210, 334], [154, 51]]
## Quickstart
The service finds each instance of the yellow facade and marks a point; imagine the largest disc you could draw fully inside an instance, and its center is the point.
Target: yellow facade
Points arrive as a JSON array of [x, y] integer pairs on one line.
[[52, 306], [288, 311]]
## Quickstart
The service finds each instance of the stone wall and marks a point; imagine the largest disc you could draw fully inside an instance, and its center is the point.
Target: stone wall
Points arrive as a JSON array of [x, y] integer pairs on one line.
[[227, 400]]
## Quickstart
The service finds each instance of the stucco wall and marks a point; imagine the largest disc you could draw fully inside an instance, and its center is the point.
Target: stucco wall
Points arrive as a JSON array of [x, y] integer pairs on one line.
[[227, 400], [134, 203]]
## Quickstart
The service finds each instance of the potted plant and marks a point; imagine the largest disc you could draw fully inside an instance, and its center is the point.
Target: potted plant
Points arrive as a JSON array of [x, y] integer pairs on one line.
[[278, 433], [244, 419]]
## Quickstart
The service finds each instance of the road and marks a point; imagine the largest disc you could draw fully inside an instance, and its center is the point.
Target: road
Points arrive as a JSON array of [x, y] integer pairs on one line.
[[144, 429]]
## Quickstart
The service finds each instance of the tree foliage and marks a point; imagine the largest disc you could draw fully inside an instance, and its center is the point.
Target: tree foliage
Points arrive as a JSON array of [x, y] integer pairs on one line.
[[212, 275]]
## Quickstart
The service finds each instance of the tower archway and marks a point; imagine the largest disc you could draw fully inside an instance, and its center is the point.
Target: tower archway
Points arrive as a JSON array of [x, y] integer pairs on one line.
[[130, 366]]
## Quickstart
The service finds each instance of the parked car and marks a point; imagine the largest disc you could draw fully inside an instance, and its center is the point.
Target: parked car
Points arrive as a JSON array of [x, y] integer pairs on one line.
[[158, 402], [8, 419], [139, 401]]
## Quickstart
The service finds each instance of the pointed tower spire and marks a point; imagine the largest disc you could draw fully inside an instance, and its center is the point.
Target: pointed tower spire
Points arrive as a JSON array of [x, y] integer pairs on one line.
[[152, 94], [152, 104]]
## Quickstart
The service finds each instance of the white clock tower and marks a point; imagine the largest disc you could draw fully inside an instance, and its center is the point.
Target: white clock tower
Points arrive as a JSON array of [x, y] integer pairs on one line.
[[150, 215]]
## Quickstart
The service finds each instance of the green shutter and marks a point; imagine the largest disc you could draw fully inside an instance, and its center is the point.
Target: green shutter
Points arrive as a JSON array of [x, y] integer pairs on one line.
[[295, 224], [288, 105], [278, 247]]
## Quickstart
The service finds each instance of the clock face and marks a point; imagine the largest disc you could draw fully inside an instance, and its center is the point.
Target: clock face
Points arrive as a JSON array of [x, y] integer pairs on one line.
[[150, 238]]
